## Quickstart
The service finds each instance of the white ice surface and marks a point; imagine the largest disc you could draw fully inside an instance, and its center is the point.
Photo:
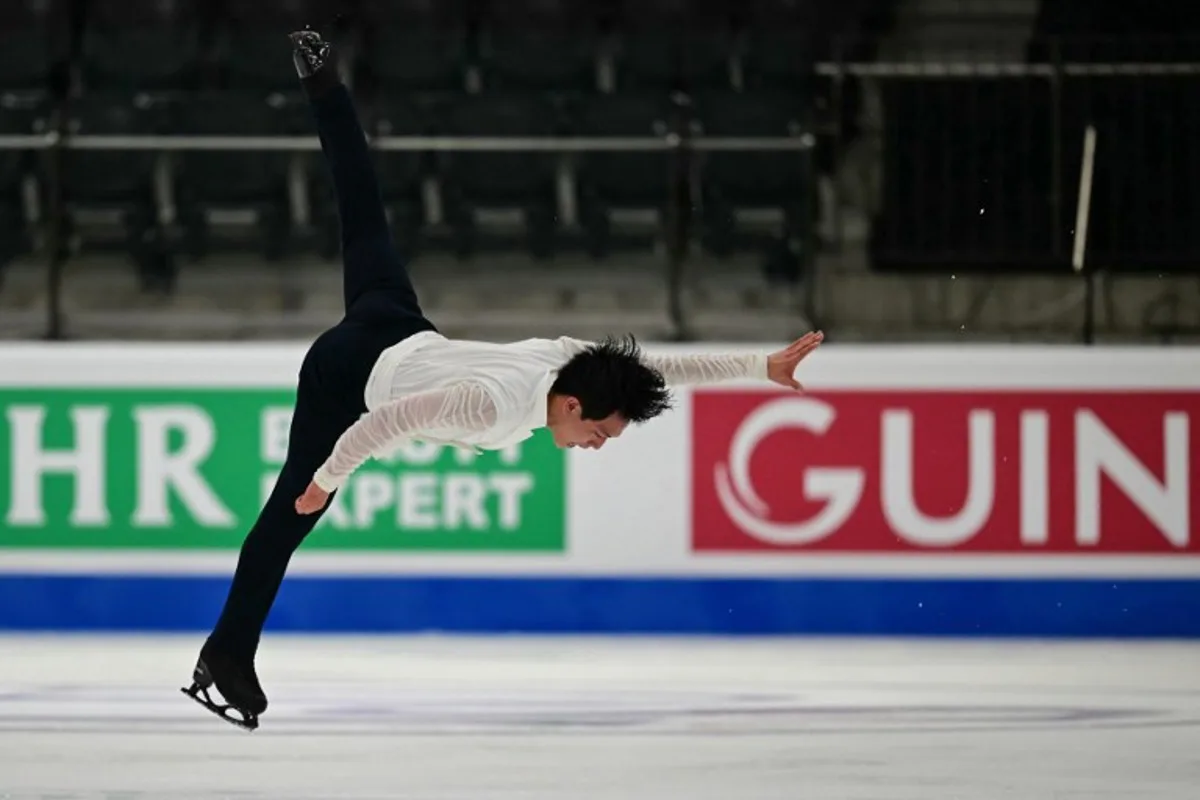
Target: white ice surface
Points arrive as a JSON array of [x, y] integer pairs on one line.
[[582, 719]]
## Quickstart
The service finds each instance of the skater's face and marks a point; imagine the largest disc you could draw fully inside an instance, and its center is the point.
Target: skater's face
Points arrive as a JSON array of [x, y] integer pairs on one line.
[[570, 429]]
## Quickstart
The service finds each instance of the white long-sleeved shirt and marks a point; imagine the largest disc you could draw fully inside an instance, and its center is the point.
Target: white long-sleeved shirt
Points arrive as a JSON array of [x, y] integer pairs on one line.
[[481, 395]]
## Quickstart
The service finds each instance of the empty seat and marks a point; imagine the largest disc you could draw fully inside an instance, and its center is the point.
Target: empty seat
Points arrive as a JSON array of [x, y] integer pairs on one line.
[[109, 195], [673, 44], [16, 168], [550, 45], [415, 14], [141, 45], [399, 58], [673, 13], [783, 40], [281, 15], [255, 54], [525, 181], [413, 45], [780, 15], [251, 182], [683, 60], [611, 182], [549, 60], [739, 186], [541, 14], [780, 59], [34, 37]]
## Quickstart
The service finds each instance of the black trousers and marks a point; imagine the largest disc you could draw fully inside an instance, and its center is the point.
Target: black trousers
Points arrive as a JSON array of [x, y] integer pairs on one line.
[[381, 309]]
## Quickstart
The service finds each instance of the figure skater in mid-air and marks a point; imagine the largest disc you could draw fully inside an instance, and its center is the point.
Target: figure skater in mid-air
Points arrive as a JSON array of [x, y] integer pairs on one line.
[[384, 376]]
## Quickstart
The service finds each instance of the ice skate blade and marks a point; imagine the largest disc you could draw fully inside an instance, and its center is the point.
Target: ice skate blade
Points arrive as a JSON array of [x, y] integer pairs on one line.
[[247, 721]]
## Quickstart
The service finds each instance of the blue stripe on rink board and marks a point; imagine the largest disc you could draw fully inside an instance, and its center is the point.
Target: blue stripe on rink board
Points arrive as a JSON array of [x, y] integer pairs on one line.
[[716, 606]]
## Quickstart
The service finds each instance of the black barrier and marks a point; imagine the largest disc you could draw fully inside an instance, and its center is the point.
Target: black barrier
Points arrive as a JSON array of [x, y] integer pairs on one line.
[[981, 162]]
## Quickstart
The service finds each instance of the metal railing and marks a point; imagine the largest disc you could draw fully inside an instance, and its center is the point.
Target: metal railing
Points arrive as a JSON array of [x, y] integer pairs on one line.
[[498, 144], [1141, 110], [680, 151]]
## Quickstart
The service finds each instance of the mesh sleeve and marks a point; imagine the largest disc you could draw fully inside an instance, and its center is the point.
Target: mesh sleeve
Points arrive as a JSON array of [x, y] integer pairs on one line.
[[689, 370], [464, 408]]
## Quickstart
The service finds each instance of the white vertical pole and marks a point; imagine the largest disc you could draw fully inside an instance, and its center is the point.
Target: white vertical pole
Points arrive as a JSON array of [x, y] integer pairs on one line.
[[1081, 229], [1084, 203]]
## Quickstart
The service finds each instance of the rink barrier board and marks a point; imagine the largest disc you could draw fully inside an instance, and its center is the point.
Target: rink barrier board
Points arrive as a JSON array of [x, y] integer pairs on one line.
[[609, 606], [654, 534]]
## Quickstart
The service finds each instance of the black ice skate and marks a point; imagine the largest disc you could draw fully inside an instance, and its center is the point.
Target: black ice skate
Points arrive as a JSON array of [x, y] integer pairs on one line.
[[239, 688], [309, 52]]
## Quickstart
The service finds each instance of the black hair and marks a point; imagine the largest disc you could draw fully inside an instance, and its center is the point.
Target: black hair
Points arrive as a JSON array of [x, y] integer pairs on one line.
[[610, 376]]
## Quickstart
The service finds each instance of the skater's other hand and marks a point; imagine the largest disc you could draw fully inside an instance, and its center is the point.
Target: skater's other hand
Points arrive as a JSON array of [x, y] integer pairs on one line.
[[782, 365], [312, 501]]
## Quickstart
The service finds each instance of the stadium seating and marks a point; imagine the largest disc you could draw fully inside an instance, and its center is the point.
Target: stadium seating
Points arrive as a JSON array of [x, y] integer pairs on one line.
[[543, 45], [475, 182], [109, 192], [611, 184], [141, 45], [251, 48], [439, 67], [735, 184], [401, 59], [34, 45], [412, 46], [17, 167], [208, 183], [673, 44]]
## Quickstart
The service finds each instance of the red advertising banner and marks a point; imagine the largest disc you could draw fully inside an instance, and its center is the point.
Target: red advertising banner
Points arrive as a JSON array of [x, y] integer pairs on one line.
[[933, 471]]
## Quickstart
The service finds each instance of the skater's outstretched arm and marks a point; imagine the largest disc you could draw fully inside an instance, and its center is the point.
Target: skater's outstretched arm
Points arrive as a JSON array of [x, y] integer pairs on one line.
[[465, 407], [694, 370]]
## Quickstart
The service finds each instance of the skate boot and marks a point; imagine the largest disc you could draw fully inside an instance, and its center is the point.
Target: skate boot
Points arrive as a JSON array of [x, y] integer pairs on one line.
[[309, 52], [237, 683]]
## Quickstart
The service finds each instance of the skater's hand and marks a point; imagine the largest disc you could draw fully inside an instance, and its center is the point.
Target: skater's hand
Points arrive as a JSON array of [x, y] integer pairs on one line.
[[312, 501], [782, 365]]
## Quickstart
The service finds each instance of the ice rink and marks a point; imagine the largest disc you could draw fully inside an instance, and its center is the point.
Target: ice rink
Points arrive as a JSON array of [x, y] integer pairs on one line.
[[593, 718]]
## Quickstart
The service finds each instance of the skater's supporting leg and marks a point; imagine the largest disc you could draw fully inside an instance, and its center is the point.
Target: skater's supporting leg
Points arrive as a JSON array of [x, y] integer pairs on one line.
[[317, 422], [227, 657], [262, 563], [371, 261]]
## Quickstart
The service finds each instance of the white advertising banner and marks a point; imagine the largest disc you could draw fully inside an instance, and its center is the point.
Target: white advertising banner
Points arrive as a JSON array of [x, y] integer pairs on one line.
[[967, 460]]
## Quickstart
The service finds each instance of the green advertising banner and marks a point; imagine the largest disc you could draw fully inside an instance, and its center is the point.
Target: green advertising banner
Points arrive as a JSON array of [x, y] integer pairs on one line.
[[190, 469]]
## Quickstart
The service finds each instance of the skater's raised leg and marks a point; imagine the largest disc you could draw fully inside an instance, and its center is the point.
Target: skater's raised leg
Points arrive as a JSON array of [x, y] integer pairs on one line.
[[369, 255]]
